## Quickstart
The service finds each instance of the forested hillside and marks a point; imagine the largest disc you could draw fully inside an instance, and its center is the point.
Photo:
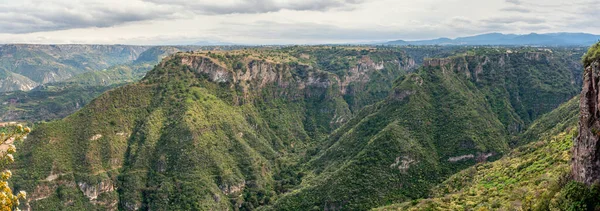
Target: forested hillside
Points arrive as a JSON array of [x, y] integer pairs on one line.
[[292, 128], [225, 125]]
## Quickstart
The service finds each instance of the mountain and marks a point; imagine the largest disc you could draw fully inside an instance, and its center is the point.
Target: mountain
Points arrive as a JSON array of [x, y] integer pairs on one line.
[[56, 100], [557, 172], [210, 130], [533, 39], [530, 177], [295, 128], [450, 114], [27, 66]]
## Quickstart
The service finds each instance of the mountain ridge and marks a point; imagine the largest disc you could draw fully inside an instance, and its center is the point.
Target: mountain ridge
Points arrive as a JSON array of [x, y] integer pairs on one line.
[[532, 39]]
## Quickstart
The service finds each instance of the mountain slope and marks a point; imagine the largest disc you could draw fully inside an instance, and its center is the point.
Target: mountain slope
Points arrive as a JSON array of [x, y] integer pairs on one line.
[[529, 177], [450, 114], [58, 99], [52, 63], [289, 128], [200, 131], [397, 149]]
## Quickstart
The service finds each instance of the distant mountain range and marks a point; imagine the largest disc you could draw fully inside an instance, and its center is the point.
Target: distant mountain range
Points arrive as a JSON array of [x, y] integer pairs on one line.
[[550, 39]]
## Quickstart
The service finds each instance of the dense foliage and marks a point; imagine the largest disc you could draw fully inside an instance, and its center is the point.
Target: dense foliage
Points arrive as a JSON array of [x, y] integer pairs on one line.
[[291, 128], [531, 177], [188, 138], [450, 114], [592, 54]]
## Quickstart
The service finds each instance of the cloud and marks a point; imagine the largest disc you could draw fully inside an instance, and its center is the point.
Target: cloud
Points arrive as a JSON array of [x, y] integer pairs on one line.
[[282, 21], [51, 15], [514, 19], [517, 2], [259, 6], [516, 9]]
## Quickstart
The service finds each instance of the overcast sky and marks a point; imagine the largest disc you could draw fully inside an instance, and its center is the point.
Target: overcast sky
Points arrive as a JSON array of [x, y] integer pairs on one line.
[[283, 21]]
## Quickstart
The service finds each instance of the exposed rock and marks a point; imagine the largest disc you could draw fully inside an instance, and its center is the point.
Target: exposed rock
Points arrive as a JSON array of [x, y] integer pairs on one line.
[[93, 191], [586, 154], [232, 189], [403, 163], [96, 137], [462, 157], [480, 157]]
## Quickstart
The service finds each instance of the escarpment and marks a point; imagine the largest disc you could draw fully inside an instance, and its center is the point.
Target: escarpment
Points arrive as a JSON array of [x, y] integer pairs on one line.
[[586, 151]]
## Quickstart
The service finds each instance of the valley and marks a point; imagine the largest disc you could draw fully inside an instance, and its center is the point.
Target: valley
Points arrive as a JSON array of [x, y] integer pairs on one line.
[[296, 128]]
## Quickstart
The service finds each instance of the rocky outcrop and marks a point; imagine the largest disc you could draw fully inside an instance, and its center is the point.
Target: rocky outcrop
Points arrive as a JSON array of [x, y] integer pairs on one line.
[[586, 151], [92, 191]]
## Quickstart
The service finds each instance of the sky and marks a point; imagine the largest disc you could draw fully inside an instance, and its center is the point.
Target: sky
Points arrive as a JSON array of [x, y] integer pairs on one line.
[[164, 22]]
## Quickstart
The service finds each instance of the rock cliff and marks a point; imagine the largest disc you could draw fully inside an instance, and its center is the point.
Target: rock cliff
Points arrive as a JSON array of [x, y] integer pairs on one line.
[[586, 151]]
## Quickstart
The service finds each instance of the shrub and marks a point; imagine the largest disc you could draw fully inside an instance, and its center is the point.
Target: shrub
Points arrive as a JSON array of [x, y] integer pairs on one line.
[[9, 201], [592, 54], [576, 196]]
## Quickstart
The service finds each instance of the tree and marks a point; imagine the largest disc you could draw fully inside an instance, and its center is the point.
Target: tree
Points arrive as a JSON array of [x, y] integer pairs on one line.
[[9, 201]]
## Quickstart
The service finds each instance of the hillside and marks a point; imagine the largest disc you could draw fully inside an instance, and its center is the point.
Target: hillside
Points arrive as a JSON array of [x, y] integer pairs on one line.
[[32, 65], [450, 114], [56, 100], [290, 128], [529, 177], [207, 130], [26, 66]]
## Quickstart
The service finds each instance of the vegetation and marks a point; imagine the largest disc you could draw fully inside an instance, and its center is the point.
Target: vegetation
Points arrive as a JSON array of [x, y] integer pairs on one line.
[[9, 135], [531, 177], [292, 128], [187, 139], [592, 54], [480, 101]]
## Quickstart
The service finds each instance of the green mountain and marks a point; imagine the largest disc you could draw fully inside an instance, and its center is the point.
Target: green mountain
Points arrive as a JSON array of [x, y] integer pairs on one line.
[[211, 130], [530, 177], [56, 100], [293, 128], [449, 115], [28, 66]]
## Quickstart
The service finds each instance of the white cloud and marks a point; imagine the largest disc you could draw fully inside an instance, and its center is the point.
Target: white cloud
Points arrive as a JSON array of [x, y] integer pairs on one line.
[[281, 21]]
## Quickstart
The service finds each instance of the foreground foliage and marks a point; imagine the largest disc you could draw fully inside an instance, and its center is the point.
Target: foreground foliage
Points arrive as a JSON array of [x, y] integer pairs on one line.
[[9, 135]]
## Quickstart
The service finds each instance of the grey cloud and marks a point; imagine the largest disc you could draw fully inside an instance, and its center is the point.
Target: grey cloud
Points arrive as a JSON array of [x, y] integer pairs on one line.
[[515, 19], [517, 2], [261, 6], [271, 31], [516, 9], [56, 15]]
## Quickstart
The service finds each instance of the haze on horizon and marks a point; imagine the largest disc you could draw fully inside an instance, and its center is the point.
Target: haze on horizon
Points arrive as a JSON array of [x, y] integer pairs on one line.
[[163, 22]]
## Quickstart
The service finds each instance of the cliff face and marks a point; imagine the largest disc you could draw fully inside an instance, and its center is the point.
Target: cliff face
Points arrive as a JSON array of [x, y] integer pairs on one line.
[[586, 154]]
